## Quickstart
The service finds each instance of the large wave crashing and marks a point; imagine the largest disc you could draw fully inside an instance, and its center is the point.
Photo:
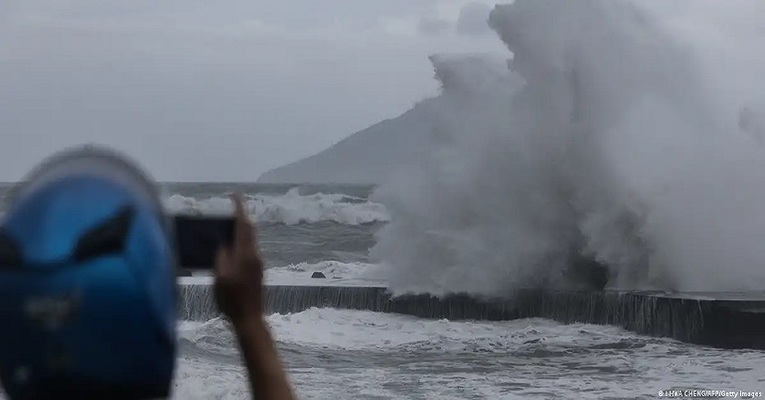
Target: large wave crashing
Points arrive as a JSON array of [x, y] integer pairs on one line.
[[619, 136]]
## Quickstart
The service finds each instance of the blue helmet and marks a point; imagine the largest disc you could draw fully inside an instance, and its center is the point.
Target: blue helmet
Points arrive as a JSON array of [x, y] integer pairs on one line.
[[87, 282]]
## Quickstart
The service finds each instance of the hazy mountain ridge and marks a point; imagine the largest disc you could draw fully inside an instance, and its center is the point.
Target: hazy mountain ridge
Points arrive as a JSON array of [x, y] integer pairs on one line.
[[365, 157], [370, 156]]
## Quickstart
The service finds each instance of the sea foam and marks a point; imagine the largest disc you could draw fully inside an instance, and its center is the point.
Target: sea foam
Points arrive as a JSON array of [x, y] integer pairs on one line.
[[623, 133]]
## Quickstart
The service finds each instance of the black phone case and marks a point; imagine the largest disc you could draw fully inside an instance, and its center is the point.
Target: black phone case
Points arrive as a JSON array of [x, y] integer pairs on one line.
[[198, 237]]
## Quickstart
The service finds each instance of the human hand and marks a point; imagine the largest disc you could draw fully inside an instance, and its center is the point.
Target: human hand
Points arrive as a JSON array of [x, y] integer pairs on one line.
[[239, 271]]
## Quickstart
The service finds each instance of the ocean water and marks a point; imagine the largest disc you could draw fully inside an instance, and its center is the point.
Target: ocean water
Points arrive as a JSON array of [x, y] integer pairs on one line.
[[347, 354], [630, 132]]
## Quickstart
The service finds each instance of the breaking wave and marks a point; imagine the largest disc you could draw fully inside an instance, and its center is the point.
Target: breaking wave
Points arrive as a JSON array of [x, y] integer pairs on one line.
[[622, 136], [291, 208]]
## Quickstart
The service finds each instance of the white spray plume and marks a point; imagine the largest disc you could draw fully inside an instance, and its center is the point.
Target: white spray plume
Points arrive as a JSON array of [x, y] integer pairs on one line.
[[622, 133]]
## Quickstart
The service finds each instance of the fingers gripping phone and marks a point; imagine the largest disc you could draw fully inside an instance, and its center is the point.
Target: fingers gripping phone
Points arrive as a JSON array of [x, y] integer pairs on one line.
[[198, 237]]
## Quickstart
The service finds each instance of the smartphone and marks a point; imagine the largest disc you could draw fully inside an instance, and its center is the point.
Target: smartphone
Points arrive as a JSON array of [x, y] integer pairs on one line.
[[198, 237]]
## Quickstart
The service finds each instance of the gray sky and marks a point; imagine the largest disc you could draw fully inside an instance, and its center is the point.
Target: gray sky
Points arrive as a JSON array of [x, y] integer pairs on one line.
[[199, 90]]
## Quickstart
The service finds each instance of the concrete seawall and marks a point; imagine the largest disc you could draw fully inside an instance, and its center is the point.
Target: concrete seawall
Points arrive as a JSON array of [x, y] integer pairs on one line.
[[727, 320]]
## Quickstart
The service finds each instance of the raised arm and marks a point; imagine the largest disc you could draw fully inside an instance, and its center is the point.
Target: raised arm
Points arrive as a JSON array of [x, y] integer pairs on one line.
[[239, 294]]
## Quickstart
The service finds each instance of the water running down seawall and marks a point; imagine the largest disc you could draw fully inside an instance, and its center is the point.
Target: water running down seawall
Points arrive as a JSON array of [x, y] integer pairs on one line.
[[725, 320]]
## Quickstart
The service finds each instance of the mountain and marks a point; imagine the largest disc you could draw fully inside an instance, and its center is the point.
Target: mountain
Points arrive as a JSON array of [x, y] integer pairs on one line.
[[365, 157], [370, 156]]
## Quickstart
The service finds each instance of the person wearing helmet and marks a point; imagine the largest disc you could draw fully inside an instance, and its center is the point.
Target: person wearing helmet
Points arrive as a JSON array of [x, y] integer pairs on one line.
[[88, 291]]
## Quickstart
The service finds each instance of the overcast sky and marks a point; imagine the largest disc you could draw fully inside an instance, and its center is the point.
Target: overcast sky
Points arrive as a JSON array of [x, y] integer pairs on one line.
[[199, 90]]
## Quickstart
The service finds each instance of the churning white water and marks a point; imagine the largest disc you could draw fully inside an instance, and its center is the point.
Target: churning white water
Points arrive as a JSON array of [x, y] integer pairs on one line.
[[625, 132]]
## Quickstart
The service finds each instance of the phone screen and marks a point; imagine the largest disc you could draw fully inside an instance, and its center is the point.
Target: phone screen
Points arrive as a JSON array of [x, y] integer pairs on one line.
[[198, 238]]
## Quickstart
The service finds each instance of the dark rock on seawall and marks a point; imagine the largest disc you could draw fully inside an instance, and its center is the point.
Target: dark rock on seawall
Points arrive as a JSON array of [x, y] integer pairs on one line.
[[182, 272]]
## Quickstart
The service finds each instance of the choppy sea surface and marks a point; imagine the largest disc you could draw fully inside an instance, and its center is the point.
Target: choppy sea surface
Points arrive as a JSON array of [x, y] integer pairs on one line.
[[346, 354]]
